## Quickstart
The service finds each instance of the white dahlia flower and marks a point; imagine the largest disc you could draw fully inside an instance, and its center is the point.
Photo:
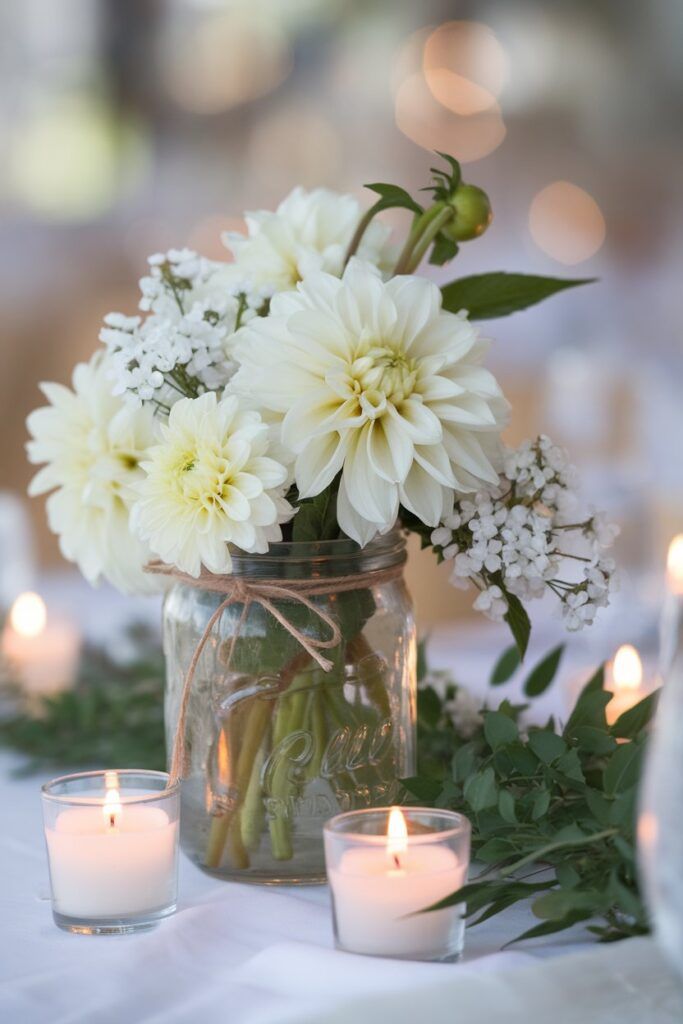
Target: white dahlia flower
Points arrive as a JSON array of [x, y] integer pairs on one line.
[[308, 231], [211, 482], [376, 380], [92, 445]]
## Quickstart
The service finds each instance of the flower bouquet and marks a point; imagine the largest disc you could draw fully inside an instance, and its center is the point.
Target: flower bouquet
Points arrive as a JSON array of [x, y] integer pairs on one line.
[[258, 440]]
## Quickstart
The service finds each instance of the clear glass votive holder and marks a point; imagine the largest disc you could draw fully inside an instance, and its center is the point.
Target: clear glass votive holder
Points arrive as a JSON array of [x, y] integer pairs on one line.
[[112, 849], [384, 866]]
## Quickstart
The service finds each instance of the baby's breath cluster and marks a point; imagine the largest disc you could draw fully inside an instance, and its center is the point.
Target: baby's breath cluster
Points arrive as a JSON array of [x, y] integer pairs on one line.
[[522, 537], [182, 347]]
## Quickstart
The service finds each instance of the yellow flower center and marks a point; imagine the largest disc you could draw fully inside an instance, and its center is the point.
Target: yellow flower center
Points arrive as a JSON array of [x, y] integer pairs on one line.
[[385, 372]]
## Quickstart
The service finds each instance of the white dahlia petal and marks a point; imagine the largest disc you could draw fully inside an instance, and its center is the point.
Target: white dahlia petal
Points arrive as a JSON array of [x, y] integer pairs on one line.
[[423, 496], [376, 380], [93, 446], [211, 483]]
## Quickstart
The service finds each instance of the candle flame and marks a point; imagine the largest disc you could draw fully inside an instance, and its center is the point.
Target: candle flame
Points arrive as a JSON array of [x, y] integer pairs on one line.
[[627, 669], [397, 835], [111, 808], [674, 564], [28, 615]]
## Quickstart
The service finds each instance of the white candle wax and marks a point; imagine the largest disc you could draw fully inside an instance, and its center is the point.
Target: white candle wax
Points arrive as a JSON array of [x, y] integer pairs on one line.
[[98, 870], [372, 895]]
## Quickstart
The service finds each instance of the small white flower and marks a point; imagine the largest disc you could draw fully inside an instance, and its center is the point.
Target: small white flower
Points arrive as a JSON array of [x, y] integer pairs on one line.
[[492, 603], [183, 346], [93, 446], [465, 713], [211, 482]]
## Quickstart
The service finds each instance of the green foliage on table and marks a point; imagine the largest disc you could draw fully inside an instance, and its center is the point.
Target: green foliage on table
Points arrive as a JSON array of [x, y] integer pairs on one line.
[[114, 716], [553, 807]]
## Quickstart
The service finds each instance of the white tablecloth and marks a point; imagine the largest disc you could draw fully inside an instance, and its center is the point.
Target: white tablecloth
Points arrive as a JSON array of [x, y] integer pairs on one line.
[[236, 953], [249, 955]]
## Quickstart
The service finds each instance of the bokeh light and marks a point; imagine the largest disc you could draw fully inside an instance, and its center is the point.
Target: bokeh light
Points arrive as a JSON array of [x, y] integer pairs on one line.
[[465, 66], [434, 127], [28, 615], [226, 60], [566, 223], [296, 143], [70, 161]]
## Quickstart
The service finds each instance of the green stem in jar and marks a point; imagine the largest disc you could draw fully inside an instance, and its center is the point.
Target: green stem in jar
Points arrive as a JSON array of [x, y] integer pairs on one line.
[[282, 786], [253, 812], [255, 729]]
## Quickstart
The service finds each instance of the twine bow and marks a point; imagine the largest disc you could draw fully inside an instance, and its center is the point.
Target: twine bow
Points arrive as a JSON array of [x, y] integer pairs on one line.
[[265, 592]]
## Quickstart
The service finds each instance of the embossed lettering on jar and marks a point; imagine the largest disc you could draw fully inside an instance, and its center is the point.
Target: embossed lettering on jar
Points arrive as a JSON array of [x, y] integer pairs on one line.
[[276, 745]]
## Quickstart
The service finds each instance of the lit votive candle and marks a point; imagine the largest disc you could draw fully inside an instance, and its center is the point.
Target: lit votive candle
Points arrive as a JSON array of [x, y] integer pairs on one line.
[[42, 653], [624, 678], [112, 846], [386, 865]]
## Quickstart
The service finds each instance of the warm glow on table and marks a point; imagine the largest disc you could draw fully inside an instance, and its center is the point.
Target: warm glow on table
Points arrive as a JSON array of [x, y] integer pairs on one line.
[[42, 653], [625, 680]]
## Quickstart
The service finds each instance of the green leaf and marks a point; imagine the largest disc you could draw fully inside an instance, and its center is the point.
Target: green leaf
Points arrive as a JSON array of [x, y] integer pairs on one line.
[[555, 906], [478, 894], [590, 706], [456, 170], [480, 790], [506, 666], [464, 760], [542, 675], [623, 768], [422, 787], [550, 927], [567, 876], [518, 621], [443, 250], [487, 296], [316, 518], [632, 722], [393, 197], [428, 705], [496, 849], [594, 741], [546, 745], [499, 730], [506, 807], [522, 759], [570, 765], [541, 804], [598, 805]]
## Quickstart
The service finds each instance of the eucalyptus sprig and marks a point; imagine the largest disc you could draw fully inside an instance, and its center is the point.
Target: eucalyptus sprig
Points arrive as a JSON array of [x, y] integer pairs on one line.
[[553, 808]]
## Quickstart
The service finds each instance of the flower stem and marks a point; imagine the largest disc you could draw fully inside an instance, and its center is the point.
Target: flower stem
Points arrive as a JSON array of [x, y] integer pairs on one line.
[[423, 232], [363, 225]]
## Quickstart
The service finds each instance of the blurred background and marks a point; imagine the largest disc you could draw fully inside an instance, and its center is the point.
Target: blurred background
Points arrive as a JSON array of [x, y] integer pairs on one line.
[[130, 126]]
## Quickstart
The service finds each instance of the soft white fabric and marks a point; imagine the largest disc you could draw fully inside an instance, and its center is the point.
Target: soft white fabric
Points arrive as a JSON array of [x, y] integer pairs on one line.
[[247, 955], [237, 954]]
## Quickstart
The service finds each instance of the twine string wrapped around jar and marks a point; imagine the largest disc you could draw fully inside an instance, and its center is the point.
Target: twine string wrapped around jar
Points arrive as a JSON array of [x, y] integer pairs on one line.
[[264, 592]]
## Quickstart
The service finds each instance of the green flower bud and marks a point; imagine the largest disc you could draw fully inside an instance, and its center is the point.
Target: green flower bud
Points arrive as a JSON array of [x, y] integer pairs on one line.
[[473, 214]]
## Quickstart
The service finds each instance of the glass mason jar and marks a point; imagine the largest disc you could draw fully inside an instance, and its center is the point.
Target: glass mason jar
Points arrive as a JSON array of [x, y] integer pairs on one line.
[[275, 745]]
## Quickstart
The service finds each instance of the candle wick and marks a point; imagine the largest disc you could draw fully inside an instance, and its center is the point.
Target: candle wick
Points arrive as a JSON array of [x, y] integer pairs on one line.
[[112, 821], [397, 862]]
